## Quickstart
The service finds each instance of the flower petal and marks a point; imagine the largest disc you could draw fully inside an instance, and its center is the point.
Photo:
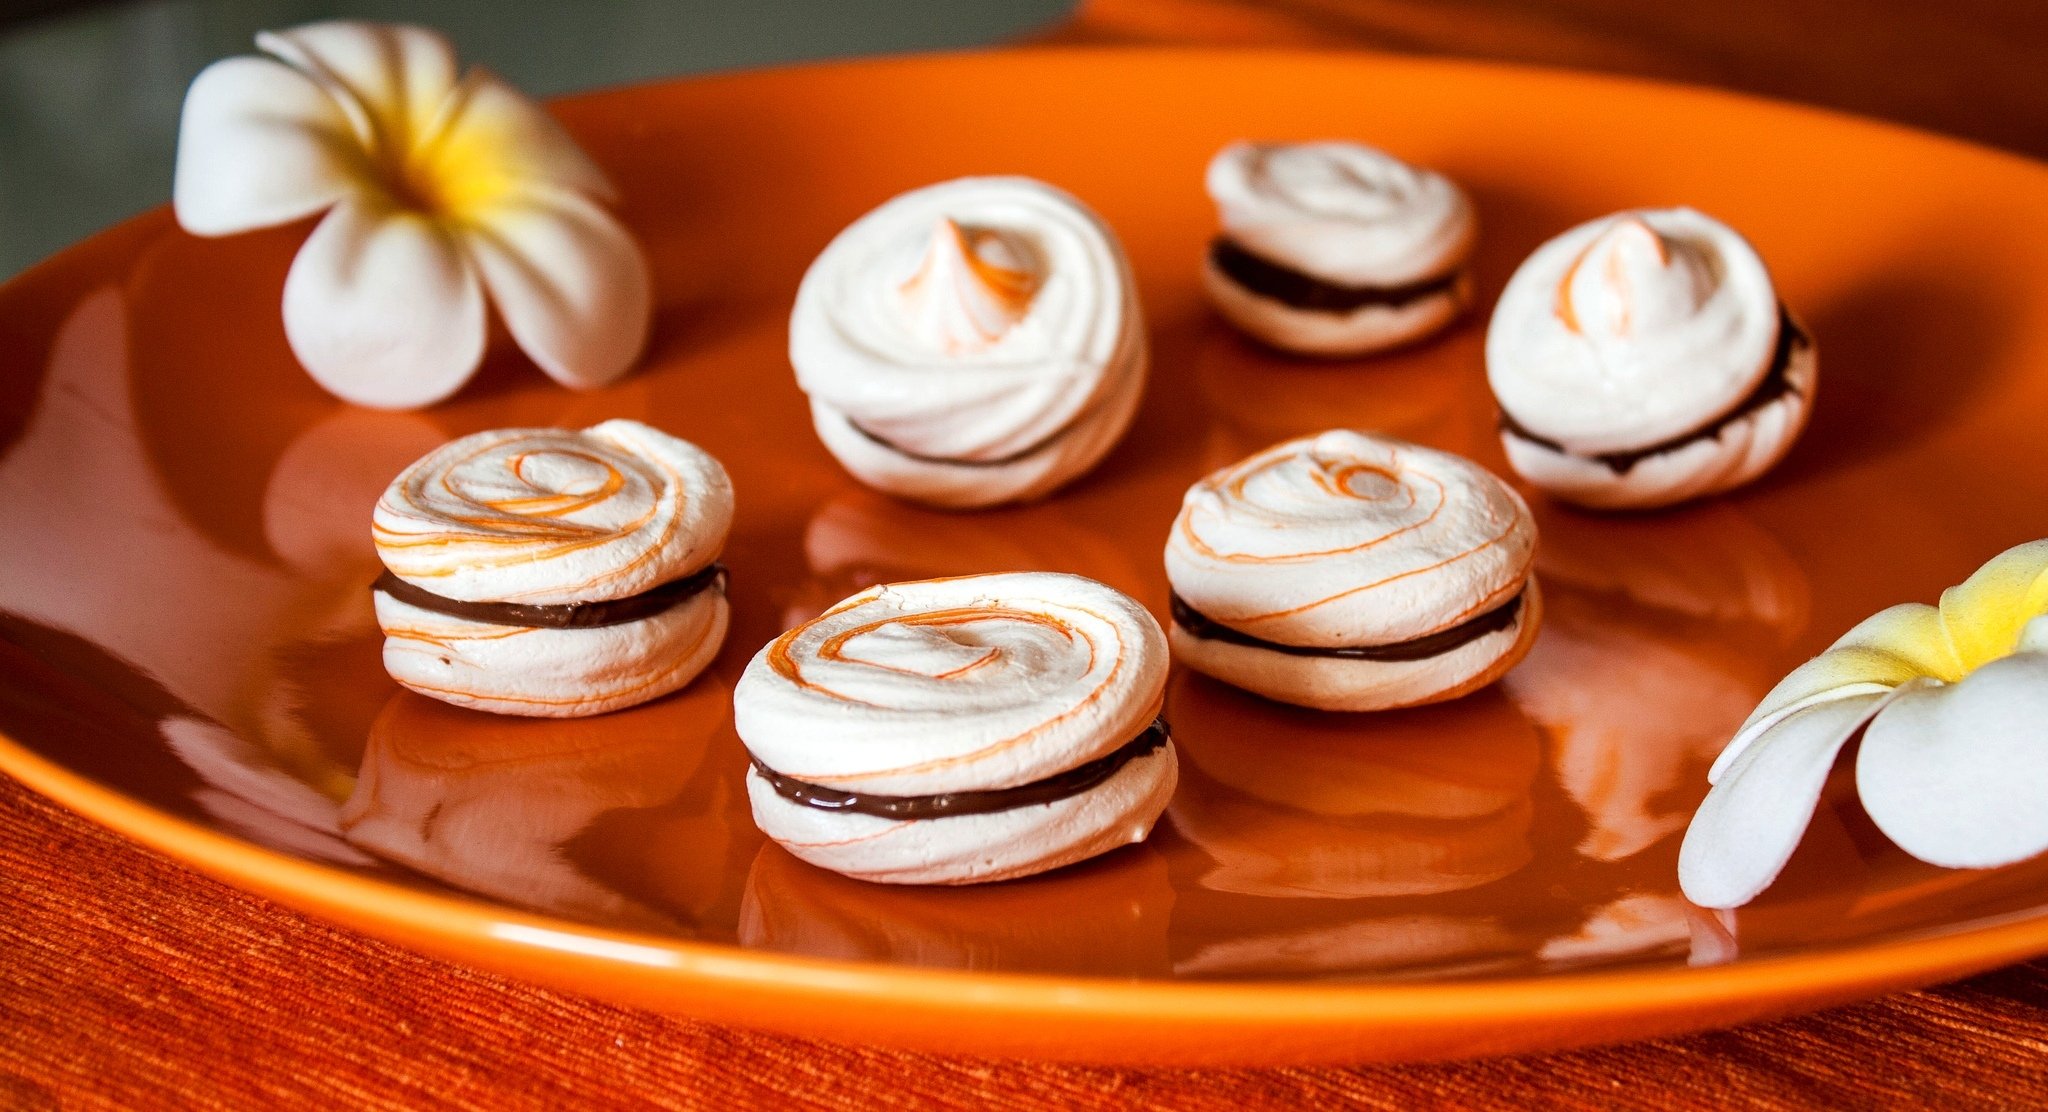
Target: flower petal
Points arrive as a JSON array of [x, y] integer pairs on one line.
[[1983, 615], [391, 78], [383, 307], [489, 139], [1753, 818], [1957, 775], [259, 144], [568, 281], [1883, 651]]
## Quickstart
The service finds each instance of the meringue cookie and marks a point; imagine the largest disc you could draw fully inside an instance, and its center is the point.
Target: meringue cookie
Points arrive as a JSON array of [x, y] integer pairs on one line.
[[970, 343], [551, 572], [1643, 359], [1334, 248], [1346, 571], [952, 731]]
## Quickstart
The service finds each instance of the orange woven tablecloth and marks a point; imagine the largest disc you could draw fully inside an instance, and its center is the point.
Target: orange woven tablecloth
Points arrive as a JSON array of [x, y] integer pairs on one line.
[[127, 981]]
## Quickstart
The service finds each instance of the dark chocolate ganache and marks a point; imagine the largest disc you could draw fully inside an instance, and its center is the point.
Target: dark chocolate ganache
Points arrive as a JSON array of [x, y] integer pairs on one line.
[[1299, 290], [1052, 789], [951, 461], [1777, 382], [1420, 648], [575, 615]]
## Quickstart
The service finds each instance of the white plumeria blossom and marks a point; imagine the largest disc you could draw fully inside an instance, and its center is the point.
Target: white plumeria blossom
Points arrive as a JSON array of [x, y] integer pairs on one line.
[[446, 195], [1952, 703]]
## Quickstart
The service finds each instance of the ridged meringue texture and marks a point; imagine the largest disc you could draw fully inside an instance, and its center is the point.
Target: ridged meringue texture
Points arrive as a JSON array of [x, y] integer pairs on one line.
[[1347, 571], [1335, 248], [1951, 702], [554, 572], [1645, 359], [970, 343], [937, 688], [443, 198]]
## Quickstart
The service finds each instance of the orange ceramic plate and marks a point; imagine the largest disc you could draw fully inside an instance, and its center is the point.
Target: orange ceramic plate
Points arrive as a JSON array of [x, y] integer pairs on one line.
[[187, 652]]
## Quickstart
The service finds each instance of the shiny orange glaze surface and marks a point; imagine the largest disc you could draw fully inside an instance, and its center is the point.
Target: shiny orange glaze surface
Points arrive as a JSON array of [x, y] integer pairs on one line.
[[187, 651]]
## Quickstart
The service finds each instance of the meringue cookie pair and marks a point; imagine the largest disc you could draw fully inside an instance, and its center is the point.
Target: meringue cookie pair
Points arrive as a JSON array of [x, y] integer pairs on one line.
[[553, 573], [1345, 571], [1336, 249], [1645, 359], [970, 343]]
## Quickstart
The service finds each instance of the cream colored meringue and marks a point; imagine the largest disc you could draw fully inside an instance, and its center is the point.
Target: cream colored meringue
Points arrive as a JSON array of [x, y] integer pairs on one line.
[[1343, 212], [1345, 539], [554, 516], [552, 673], [1632, 329], [969, 684], [1348, 540], [970, 343]]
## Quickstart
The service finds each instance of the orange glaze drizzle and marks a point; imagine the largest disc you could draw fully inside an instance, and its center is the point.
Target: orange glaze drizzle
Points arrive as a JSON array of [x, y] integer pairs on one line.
[[1235, 484]]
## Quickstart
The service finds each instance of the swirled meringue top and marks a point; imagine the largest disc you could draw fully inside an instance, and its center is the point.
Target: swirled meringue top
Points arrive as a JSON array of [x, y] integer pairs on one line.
[[1342, 212], [1345, 539], [973, 319], [980, 682], [1631, 330], [552, 516]]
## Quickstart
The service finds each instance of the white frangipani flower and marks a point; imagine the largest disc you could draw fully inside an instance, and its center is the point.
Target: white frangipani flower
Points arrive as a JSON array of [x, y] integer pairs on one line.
[[446, 195], [1952, 702]]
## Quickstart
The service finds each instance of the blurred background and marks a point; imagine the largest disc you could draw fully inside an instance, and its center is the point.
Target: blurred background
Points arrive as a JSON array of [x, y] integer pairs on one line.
[[89, 91]]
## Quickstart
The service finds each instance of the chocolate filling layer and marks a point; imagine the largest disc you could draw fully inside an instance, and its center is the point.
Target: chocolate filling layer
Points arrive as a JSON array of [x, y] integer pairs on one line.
[[1420, 648], [1298, 290], [1052, 789], [1777, 382], [575, 615]]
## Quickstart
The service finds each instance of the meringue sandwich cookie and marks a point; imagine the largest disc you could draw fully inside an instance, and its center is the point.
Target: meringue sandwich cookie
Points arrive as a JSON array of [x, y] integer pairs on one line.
[[970, 343], [953, 731], [1336, 249], [552, 572], [1346, 571], [1643, 359]]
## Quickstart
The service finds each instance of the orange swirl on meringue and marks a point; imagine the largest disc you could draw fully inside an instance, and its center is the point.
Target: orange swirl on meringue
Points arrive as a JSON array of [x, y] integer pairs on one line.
[[1350, 571], [554, 516], [950, 731], [970, 289]]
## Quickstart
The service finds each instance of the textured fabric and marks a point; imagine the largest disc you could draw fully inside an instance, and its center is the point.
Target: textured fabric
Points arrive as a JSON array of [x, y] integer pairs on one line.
[[131, 982]]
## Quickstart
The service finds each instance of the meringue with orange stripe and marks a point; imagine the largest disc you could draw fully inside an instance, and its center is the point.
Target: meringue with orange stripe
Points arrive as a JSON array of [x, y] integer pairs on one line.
[[953, 731], [970, 343], [445, 198], [1347, 571], [1644, 359], [554, 572]]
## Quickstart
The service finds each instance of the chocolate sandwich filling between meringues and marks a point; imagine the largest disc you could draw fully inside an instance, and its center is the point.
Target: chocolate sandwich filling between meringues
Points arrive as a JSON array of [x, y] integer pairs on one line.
[[574, 615], [1428, 645], [1051, 789]]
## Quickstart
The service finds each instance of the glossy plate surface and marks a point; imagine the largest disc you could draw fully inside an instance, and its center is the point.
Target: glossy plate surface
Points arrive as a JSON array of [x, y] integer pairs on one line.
[[187, 652]]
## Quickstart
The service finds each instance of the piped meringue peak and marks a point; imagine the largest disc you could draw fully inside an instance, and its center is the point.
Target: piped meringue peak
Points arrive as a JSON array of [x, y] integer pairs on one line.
[[1335, 249], [970, 289], [1352, 571], [1644, 358], [973, 342], [553, 573], [960, 730]]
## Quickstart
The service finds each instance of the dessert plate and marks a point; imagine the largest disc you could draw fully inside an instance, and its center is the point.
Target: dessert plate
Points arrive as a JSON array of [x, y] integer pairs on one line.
[[187, 652]]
